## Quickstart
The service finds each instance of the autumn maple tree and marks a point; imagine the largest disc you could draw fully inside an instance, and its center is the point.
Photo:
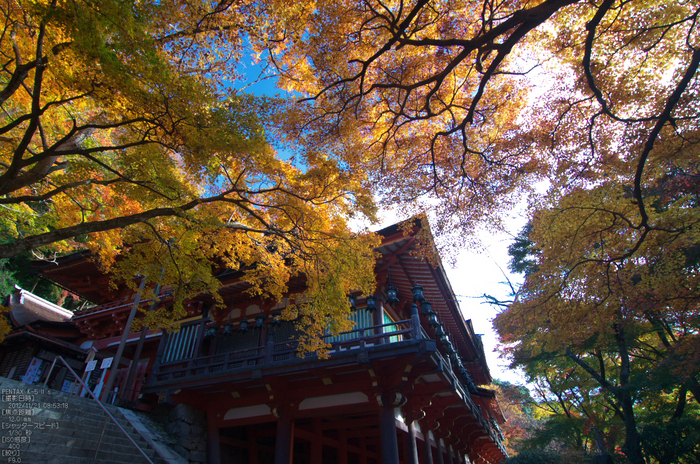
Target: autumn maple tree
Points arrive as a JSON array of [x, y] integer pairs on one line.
[[123, 131], [603, 326], [473, 102], [123, 120]]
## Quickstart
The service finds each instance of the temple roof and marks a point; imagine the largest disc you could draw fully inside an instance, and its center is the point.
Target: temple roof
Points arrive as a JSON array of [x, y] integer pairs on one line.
[[25, 308], [404, 265]]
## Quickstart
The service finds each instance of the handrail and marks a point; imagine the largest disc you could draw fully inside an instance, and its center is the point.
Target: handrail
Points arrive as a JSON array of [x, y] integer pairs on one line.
[[262, 356], [241, 354], [98, 402]]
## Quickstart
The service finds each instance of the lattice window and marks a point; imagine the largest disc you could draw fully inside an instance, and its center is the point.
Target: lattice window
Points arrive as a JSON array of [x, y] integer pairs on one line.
[[181, 344]]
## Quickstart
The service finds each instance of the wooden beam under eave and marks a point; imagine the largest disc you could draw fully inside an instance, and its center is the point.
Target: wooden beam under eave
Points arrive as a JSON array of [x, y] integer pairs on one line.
[[335, 443], [394, 257], [362, 423]]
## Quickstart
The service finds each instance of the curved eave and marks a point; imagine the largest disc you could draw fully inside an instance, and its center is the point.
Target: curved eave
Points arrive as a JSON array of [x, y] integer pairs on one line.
[[401, 267], [25, 308]]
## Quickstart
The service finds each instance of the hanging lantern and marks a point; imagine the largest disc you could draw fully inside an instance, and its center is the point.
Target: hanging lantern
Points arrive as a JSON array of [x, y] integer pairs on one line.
[[446, 342], [439, 331], [276, 319], [417, 291], [259, 321], [433, 321], [371, 303], [427, 309], [227, 329], [391, 293], [244, 326], [351, 297], [449, 348], [211, 332]]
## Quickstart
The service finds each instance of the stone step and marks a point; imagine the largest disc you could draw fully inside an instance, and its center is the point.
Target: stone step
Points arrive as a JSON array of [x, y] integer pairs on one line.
[[50, 457], [70, 423], [89, 442], [78, 421], [62, 428]]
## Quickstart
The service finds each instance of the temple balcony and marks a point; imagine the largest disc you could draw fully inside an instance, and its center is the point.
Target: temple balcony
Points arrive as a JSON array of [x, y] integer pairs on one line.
[[261, 364]]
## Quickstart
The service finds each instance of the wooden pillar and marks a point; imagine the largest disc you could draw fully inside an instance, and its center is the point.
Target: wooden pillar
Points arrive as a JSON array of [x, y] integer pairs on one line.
[[161, 348], [378, 319], [387, 428], [213, 443], [125, 335], [252, 445], [448, 452], [363, 447], [343, 448], [284, 442], [269, 347], [427, 448], [415, 323], [264, 333], [411, 446], [317, 442], [440, 459], [460, 457]]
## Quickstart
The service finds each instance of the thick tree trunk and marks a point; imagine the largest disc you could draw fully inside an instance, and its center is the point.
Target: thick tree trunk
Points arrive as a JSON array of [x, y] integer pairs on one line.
[[633, 443], [622, 393]]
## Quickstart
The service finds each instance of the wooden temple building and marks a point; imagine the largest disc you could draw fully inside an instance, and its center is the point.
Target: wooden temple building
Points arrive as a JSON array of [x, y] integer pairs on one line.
[[39, 331], [404, 386]]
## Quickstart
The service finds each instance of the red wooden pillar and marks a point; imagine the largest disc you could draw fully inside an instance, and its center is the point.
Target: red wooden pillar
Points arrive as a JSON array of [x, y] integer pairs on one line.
[[284, 441], [363, 447], [343, 448], [213, 443], [440, 459], [411, 446], [427, 448], [387, 429], [415, 411], [448, 452], [317, 442], [252, 445]]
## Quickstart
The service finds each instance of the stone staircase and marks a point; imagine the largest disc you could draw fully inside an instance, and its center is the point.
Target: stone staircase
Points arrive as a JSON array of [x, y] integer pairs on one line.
[[43, 426]]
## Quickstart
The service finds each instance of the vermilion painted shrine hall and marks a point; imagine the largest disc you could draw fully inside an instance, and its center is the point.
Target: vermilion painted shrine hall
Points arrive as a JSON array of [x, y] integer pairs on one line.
[[406, 385]]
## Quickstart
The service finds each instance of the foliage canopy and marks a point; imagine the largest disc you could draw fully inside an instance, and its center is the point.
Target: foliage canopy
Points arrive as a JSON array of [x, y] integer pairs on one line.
[[122, 131], [612, 337], [122, 121], [472, 102]]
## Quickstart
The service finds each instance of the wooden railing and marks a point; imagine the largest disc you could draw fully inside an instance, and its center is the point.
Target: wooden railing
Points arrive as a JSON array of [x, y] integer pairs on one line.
[[374, 335], [466, 397], [285, 352], [276, 353]]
